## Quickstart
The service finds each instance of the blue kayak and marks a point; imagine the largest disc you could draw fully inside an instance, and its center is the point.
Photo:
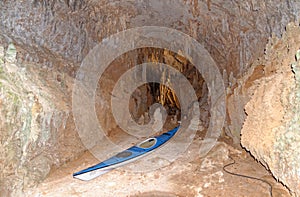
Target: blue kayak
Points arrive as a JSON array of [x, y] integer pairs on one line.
[[126, 156]]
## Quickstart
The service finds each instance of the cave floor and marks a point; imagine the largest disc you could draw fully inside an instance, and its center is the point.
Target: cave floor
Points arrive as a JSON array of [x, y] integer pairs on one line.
[[184, 177]]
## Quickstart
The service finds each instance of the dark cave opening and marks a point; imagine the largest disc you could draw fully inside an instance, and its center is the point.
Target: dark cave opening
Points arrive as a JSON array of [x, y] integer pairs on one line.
[[150, 93]]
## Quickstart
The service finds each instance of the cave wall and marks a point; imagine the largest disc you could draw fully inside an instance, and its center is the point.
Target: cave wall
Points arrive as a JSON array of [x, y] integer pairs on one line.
[[37, 129], [53, 37], [271, 129], [235, 33], [61, 33]]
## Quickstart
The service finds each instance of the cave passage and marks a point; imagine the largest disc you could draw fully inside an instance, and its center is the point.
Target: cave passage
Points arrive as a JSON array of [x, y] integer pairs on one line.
[[253, 45]]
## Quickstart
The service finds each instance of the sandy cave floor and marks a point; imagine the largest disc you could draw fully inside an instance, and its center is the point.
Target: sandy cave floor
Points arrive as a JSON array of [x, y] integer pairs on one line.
[[184, 177]]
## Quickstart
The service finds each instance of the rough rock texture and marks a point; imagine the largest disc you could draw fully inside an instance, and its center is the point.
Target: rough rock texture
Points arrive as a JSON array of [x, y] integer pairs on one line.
[[36, 121], [234, 32], [37, 129], [61, 33], [271, 129]]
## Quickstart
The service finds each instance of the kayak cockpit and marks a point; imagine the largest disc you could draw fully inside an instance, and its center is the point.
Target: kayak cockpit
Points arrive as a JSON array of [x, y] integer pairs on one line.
[[148, 143]]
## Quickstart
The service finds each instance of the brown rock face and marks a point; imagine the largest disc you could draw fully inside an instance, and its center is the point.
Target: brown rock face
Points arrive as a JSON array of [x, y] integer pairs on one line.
[[234, 33], [270, 131], [53, 37]]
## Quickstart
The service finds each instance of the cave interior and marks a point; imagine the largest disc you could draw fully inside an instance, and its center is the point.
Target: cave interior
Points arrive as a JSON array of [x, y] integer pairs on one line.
[[61, 112]]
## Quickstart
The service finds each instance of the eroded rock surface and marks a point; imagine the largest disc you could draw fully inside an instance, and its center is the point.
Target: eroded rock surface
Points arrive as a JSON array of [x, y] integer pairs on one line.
[[234, 32], [37, 127], [271, 129], [53, 37]]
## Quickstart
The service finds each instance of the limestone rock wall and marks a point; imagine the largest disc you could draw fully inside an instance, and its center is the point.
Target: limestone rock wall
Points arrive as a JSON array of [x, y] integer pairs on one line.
[[271, 129], [61, 33], [53, 37], [36, 127], [234, 32]]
